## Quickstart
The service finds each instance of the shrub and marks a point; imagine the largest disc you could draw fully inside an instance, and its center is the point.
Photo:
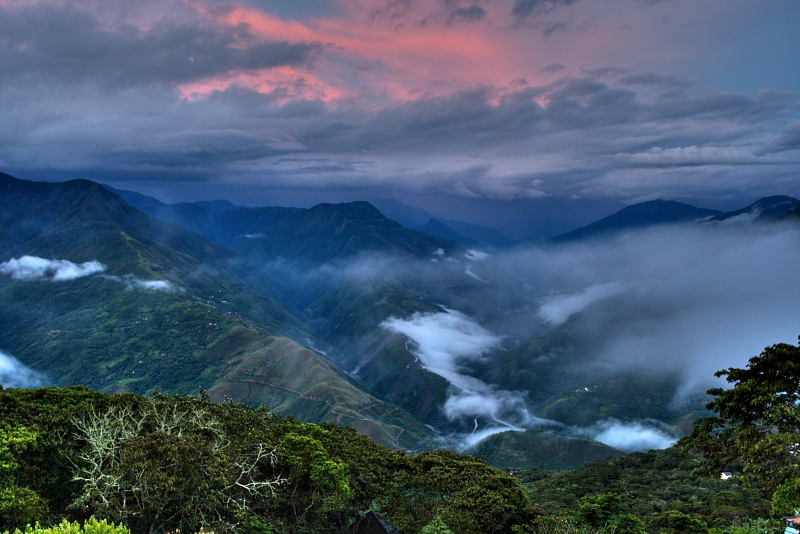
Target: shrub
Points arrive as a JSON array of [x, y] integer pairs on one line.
[[90, 526]]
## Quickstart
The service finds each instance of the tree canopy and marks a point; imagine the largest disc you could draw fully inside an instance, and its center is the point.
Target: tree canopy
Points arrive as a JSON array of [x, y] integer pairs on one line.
[[756, 425], [166, 463]]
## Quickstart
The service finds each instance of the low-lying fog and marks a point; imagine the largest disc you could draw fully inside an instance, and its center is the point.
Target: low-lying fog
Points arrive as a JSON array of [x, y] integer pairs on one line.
[[13, 374], [686, 299]]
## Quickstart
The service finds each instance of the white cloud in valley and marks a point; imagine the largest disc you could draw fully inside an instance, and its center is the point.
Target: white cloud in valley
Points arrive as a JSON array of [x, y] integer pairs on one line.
[[558, 308], [444, 343], [630, 436], [36, 268], [14, 374], [148, 285]]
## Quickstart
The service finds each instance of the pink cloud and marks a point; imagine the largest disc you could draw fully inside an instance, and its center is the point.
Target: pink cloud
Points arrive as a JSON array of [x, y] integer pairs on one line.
[[373, 58]]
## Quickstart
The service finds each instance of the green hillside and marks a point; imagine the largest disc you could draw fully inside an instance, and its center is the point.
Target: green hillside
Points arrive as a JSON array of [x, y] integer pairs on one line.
[[166, 313], [535, 449]]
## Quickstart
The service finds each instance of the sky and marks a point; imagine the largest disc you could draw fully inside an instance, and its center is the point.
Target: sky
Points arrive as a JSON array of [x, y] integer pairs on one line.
[[475, 108]]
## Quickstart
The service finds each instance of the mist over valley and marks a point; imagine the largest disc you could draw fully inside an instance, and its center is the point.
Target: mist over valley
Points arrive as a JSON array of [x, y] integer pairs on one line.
[[337, 313]]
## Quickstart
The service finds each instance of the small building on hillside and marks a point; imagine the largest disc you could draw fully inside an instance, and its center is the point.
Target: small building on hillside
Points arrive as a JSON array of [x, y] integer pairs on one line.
[[792, 525]]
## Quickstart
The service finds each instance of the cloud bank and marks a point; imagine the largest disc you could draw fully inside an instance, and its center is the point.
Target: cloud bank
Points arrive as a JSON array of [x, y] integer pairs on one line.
[[445, 344], [133, 283], [557, 309], [35, 268], [13, 374], [691, 299], [630, 436]]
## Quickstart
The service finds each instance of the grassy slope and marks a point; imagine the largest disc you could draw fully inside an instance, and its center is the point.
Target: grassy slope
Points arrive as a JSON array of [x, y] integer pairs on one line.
[[294, 380]]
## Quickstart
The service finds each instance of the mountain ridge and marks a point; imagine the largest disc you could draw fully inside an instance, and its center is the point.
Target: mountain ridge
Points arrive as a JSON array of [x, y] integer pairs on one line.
[[155, 317]]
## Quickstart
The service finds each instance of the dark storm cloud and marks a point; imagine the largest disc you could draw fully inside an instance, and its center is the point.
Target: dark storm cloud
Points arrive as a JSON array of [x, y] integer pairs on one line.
[[568, 137], [72, 45], [605, 72], [351, 144], [581, 102], [530, 9], [721, 105], [466, 14], [446, 117], [391, 9], [553, 28], [661, 81], [552, 68], [790, 137]]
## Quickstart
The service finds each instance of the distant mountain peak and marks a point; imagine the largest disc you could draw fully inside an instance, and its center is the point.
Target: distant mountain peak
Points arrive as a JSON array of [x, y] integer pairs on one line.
[[649, 213], [329, 231], [763, 209], [356, 210]]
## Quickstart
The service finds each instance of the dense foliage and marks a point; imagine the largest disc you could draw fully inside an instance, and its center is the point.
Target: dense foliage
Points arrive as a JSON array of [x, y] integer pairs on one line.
[[162, 463], [167, 463], [651, 486], [757, 425], [90, 526]]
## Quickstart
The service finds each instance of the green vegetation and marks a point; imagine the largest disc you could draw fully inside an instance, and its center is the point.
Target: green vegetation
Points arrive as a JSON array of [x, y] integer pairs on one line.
[[90, 526], [757, 424], [211, 331], [161, 463], [541, 450], [649, 486]]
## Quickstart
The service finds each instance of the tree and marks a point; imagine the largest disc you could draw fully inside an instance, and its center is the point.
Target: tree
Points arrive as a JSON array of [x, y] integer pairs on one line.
[[18, 505], [317, 483], [680, 523], [757, 421], [468, 494], [90, 526], [437, 526], [171, 462], [598, 510]]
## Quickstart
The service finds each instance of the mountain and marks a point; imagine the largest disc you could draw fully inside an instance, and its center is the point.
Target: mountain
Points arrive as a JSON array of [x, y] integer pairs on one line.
[[650, 213], [217, 206], [656, 212], [420, 219], [345, 313], [437, 228], [333, 313], [218, 220], [66, 218], [794, 214], [478, 234], [329, 232], [762, 210], [95, 292]]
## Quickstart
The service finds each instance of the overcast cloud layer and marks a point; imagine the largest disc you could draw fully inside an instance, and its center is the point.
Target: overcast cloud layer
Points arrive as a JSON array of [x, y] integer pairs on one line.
[[509, 99]]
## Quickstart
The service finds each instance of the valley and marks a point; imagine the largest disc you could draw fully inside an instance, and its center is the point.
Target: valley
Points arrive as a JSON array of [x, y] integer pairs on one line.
[[595, 343]]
